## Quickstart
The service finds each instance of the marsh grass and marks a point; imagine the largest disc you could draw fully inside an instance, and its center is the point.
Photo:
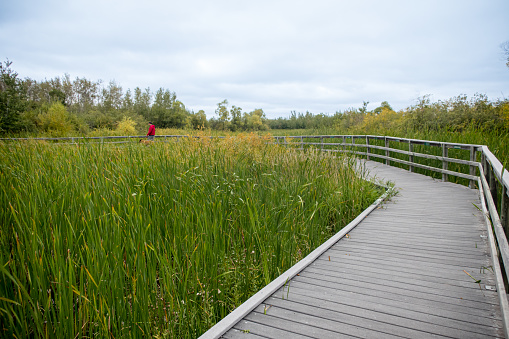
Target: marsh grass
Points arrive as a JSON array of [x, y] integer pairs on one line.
[[129, 241]]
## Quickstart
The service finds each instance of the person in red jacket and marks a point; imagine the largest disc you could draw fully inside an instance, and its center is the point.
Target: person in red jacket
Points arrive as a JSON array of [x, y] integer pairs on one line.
[[151, 132]]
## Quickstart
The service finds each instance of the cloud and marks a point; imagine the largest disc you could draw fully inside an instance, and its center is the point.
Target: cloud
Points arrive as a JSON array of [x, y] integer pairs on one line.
[[320, 56]]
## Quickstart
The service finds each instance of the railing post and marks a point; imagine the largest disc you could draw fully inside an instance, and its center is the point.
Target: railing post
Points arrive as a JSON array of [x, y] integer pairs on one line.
[[504, 206], [321, 143], [504, 210], [483, 163], [411, 157], [492, 182], [301, 143], [445, 153], [286, 142], [473, 157], [367, 148], [387, 162], [344, 144]]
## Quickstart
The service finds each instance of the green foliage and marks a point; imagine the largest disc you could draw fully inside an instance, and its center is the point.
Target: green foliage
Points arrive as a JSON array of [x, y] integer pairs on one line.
[[55, 121], [13, 99], [456, 114], [197, 120], [94, 106], [223, 115], [234, 120], [126, 126], [255, 120]]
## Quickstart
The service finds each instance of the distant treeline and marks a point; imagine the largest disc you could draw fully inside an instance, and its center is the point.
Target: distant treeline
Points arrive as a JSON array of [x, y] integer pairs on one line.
[[65, 106], [456, 114]]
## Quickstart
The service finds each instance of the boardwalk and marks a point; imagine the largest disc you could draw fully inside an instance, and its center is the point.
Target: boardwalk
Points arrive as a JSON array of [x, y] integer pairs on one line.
[[402, 272]]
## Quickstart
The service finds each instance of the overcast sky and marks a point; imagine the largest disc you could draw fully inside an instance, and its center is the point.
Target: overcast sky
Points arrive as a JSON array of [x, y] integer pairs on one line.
[[319, 56]]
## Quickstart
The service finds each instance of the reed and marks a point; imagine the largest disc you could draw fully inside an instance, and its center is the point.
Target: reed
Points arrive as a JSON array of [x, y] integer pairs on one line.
[[163, 240]]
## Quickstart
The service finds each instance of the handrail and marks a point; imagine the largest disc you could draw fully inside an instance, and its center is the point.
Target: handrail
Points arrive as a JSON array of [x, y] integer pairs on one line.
[[73, 139], [498, 168], [501, 290], [503, 246], [410, 142]]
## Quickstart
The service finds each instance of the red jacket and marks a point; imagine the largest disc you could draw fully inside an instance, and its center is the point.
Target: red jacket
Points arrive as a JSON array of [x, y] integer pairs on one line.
[[151, 130]]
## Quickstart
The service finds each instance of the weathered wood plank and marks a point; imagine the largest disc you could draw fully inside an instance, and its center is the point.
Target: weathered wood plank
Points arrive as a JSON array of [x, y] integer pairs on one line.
[[304, 307], [415, 257], [454, 308], [266, 330], [475, 297], [369, 275], [407, 262], [473, 250], [240, 334], [387, 266], [396, 307], [399, 323], [336, 324], [454, 275]]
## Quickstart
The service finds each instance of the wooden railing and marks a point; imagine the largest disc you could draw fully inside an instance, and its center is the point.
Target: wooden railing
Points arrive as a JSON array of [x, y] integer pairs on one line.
[[366, 145]]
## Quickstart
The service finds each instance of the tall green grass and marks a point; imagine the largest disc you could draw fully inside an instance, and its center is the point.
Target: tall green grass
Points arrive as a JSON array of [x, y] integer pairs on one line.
[[133, 241]]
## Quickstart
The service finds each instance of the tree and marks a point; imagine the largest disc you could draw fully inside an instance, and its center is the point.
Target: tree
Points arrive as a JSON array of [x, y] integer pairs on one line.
[[364, 108], [85, 95], [163, 112], [256, 121], [112, 97], [142, 102], [236, 118], [223, 114], [127, 126], [13, 99], [198, 120], [127, 103], [56, 121], [383, 104]]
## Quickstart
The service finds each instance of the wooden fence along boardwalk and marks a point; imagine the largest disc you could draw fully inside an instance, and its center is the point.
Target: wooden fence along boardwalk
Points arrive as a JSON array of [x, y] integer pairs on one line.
[[432, 261]]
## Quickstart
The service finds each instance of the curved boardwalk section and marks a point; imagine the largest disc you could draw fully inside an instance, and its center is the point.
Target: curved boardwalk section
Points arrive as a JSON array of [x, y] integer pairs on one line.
[[417, 267]]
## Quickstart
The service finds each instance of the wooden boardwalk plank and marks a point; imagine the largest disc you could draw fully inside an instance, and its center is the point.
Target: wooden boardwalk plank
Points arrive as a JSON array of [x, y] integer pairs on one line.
[[384, 269], [466, 299], [399, 273], [380, 320], [370, 272], [416, 311], [398, 297]]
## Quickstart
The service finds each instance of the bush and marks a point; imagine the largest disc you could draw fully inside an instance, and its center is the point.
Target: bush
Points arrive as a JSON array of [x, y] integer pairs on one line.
[[56, 121], [126, 126]]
